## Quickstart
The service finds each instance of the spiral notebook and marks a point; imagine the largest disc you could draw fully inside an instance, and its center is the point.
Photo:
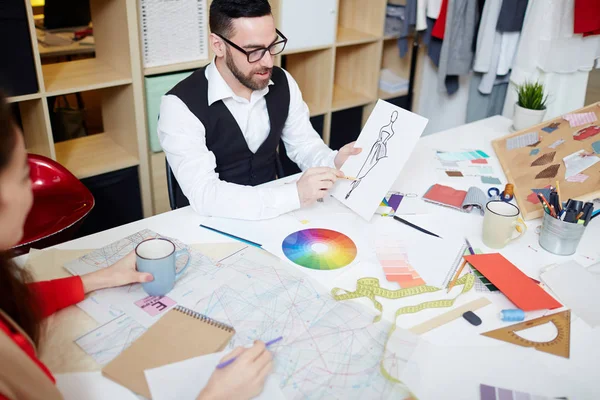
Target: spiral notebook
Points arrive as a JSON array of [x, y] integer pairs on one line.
[[179, 335]]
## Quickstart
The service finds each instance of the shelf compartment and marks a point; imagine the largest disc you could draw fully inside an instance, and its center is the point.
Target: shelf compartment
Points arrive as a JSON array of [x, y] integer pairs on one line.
[[114, 149], [314, 74], [356, 76], [348, 37], [360, 21], [390, 59], [81, 75], [93, 155]]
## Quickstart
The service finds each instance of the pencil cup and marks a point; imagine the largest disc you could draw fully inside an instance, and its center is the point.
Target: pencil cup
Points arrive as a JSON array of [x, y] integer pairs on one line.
[[158, 256], [560, 237]]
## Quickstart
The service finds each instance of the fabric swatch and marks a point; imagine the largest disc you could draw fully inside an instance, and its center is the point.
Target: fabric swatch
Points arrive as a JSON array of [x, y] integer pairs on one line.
[[578, 162], [534, 152], [557, 143], [578, 119], [461, 156], [544, 159], [455, 174], [484, 170], [481, 161], [532, 198], [579, 178], [585, 133], [490, 180], [549, 172], [449, 164], [522, 140], [552, 127], [534, 144], [596, 147]]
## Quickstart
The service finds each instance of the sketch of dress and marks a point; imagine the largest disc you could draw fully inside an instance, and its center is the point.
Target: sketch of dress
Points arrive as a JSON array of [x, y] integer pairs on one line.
[[377, 152]]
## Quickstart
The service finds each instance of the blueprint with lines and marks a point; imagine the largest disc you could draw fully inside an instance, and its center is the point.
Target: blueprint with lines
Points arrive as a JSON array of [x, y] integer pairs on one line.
[[107, 341], [330, 349]]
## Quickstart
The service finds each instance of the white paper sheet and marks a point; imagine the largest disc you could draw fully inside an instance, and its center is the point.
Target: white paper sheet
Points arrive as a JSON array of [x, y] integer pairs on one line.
[[91, 386], [184, 380], [575, 163], [387, 140], [577, 288]]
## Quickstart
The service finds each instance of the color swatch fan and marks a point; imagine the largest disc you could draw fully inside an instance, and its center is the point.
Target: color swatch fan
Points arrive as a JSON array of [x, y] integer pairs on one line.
[[321, 249]]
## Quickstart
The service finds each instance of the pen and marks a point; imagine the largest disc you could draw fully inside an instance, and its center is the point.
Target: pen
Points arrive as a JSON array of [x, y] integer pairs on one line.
[[251, 243], [470, 247], [405, 222], [227, 362], [350, 178], [558, 196]]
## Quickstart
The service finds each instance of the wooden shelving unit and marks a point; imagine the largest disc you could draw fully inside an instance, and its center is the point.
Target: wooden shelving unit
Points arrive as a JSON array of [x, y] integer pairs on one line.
[[116, 73], [334, 75]]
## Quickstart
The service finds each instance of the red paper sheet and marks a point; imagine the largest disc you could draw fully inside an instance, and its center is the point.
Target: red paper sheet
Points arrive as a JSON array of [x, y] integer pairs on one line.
[[515, 285], [479, 161]]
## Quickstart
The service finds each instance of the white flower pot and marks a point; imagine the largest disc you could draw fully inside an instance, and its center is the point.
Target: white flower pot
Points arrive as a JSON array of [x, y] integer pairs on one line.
[[524, 117]]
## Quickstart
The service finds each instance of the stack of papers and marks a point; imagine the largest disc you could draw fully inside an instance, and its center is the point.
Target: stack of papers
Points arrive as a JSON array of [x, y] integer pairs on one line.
[[392, 83]]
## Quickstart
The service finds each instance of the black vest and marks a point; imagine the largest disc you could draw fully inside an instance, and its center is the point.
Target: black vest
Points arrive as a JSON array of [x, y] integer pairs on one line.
[[235, 162]]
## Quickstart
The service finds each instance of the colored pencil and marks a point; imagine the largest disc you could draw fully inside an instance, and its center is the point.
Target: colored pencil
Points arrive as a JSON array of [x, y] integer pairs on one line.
[[251, 243], [451, 285], [559, 196]]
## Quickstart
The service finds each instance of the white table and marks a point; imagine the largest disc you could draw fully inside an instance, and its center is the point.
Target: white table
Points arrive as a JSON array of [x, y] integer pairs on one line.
[[453, 359]]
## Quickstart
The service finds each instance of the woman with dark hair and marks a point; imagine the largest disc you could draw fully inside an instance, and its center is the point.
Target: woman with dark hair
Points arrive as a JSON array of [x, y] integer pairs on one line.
[[24, 304]]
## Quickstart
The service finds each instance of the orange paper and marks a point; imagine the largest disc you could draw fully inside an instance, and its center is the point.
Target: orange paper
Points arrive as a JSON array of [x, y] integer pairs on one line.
[[515, 285]]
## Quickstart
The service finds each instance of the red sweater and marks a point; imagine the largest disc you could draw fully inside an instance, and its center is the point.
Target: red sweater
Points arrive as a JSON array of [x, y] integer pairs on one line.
[[52, 296]]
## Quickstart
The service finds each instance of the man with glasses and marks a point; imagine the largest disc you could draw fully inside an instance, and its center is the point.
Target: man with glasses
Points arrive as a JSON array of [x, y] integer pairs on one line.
[[221, 126]]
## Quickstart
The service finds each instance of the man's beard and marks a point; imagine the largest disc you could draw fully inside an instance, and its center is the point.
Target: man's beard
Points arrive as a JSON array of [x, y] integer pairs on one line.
[[247, 80]]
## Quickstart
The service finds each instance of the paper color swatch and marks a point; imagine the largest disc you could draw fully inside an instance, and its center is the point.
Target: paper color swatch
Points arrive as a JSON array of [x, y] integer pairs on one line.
[[515, 285]]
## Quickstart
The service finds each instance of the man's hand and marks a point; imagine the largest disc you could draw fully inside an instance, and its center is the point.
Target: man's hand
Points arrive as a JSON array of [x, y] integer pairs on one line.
[[345, 152], [314, 184]]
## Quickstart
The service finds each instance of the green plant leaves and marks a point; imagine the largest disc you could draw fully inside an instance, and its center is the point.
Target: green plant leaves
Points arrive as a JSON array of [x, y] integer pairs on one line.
[[531, 96]]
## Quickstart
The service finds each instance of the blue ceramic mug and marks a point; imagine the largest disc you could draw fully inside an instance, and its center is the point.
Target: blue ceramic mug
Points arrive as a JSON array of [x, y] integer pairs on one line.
[[158, 257]]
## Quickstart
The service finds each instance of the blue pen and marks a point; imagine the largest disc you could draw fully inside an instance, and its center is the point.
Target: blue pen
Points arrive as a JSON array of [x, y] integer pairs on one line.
[[251, 243], [269, 343]]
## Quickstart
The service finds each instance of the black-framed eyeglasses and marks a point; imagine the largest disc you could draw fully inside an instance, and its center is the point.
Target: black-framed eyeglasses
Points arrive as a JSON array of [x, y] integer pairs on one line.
[[256, 55]]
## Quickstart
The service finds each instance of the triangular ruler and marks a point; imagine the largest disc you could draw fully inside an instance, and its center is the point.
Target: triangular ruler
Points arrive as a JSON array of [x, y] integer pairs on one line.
[[559, 346]]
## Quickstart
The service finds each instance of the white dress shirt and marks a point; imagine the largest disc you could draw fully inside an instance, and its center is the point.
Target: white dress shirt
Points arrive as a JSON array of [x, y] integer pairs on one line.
[[183, 138]]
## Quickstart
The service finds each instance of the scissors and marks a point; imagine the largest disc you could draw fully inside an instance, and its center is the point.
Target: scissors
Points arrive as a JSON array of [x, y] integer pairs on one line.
[[496, 194]]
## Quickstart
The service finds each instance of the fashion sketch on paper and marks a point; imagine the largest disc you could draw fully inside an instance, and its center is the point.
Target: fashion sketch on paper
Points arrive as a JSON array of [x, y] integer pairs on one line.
[[377, 152]]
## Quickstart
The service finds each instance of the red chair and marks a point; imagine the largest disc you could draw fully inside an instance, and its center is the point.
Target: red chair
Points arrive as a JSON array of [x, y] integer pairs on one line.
[[60, 204]]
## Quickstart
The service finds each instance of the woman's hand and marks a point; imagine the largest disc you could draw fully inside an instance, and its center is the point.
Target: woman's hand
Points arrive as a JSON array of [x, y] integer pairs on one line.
[[123, 272], [244, 378]]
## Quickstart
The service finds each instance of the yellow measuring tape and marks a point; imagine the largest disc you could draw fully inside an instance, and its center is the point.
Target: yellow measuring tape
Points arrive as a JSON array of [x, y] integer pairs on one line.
[[369, 288]]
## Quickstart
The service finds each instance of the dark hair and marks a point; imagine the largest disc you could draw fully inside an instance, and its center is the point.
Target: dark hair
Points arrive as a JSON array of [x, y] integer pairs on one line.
[[16, 300], [223, 12]]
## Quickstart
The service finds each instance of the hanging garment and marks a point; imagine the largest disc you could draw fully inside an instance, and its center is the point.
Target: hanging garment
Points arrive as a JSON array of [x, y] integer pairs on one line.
[[482, 105], [433, 44], [587, 17], [410, 19], [421, 15], [440, 23], [457, 54], [433, 8], [511, 16]]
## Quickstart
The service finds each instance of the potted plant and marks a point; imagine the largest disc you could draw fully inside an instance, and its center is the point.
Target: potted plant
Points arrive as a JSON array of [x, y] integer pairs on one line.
[[531, 106]]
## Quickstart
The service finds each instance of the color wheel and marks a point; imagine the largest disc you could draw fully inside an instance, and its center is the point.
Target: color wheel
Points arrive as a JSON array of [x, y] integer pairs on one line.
[[321, 249]]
